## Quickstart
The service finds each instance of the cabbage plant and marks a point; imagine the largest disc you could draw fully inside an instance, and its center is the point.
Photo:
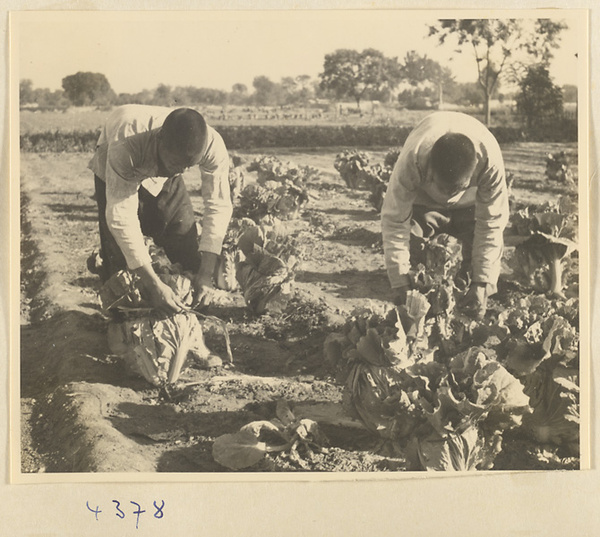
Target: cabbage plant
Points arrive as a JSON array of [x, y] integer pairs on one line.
[[442, 412], [253, 441]]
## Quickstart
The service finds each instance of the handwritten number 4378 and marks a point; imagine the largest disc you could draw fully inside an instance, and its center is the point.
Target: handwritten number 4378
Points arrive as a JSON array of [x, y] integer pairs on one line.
[[158, 513]]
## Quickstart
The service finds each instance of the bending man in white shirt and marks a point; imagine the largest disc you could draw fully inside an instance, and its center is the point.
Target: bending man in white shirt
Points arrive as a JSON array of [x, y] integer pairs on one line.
[[449, 178], [140, 156]]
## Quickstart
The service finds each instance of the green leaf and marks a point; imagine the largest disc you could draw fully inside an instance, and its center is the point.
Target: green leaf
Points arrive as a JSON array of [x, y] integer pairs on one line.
[[417, 305], [308, 430], [488, 386], [258, 427], [496, 386], [555, 402], [245, 448], [239, 450], [522, 358], [560, 337], [454, 452]]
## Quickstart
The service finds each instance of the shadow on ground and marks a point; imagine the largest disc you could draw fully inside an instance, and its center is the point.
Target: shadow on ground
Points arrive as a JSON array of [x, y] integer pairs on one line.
[[352, 284]]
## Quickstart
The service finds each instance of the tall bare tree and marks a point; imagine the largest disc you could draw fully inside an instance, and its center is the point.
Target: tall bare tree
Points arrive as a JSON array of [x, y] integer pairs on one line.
[[495, 42]]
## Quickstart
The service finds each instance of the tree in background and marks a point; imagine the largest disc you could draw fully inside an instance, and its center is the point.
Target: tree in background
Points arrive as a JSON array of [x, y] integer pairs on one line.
[[180, 96], [142, 97], [242, 89], [297, 90], [162, 96], [543, 40], [84, 88], [496, 41], [51, 100], [359, 75], [304, 89], [26, 94], [289, 89], [206, 96], [239, 94], [419, 70], [465, 94], [421, 98], [44, 98], [267, 92], [539, 99]]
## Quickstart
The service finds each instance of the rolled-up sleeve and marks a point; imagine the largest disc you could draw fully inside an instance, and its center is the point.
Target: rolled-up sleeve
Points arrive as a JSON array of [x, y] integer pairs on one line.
[[491, 218], [216, 195], [122, 206], [396, 217]]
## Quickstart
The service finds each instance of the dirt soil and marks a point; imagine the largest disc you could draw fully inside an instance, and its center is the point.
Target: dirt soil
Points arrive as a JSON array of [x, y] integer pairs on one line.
[[82, 410]]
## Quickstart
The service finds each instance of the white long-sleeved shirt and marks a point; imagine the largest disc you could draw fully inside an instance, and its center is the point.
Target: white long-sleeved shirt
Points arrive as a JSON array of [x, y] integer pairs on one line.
[[411, 183], [126, 157]]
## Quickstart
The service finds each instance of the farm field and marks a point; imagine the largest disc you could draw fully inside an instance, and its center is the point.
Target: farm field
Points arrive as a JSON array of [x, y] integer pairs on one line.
[[90, 118], [83, 411]]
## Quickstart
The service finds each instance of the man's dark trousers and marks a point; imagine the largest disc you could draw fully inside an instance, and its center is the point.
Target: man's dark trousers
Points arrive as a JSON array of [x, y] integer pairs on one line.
[[167, 218]]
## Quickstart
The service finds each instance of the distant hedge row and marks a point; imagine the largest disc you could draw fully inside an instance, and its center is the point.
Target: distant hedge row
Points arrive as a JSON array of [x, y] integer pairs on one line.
[[59, 142], [251, 137], [263, 136]]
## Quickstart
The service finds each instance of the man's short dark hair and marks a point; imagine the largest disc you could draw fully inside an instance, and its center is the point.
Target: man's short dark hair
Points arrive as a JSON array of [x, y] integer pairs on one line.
[[452, 156], [184, 132]]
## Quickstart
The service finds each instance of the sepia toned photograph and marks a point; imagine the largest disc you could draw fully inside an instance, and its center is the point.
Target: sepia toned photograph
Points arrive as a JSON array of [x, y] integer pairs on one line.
[[330, 242]]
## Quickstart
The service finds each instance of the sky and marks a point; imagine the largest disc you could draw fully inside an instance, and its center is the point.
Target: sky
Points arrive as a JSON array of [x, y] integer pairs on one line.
[[140, 50]]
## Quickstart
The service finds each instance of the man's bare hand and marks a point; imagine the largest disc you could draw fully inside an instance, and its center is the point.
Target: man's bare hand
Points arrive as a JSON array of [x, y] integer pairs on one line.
[[161, 297], [204, 295], [433, 221], [165, 300], [204, 291]]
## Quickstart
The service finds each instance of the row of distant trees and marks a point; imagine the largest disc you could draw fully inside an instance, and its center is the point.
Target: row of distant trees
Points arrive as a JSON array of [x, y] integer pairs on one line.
[[93, 89], [513, 52]]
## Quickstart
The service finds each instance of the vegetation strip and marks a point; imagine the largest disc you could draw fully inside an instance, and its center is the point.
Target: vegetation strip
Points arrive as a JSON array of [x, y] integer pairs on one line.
[[301, 136]]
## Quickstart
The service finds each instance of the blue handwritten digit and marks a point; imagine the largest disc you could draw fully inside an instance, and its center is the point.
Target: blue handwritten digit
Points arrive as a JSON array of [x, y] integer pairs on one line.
[[120, 513], [159, 510], [96, 511], [138, 513]]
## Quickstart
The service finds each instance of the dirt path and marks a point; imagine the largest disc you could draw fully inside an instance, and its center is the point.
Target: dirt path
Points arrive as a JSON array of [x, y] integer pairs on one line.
[[83, 411]]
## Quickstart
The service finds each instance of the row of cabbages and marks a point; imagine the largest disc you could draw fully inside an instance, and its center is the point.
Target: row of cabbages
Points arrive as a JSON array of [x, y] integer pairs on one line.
[[355, 169], [259, 257], [441, 388], [280, 189]]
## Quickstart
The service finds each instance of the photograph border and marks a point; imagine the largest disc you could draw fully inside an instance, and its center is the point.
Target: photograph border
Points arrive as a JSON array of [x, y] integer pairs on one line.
[[585, 295]]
